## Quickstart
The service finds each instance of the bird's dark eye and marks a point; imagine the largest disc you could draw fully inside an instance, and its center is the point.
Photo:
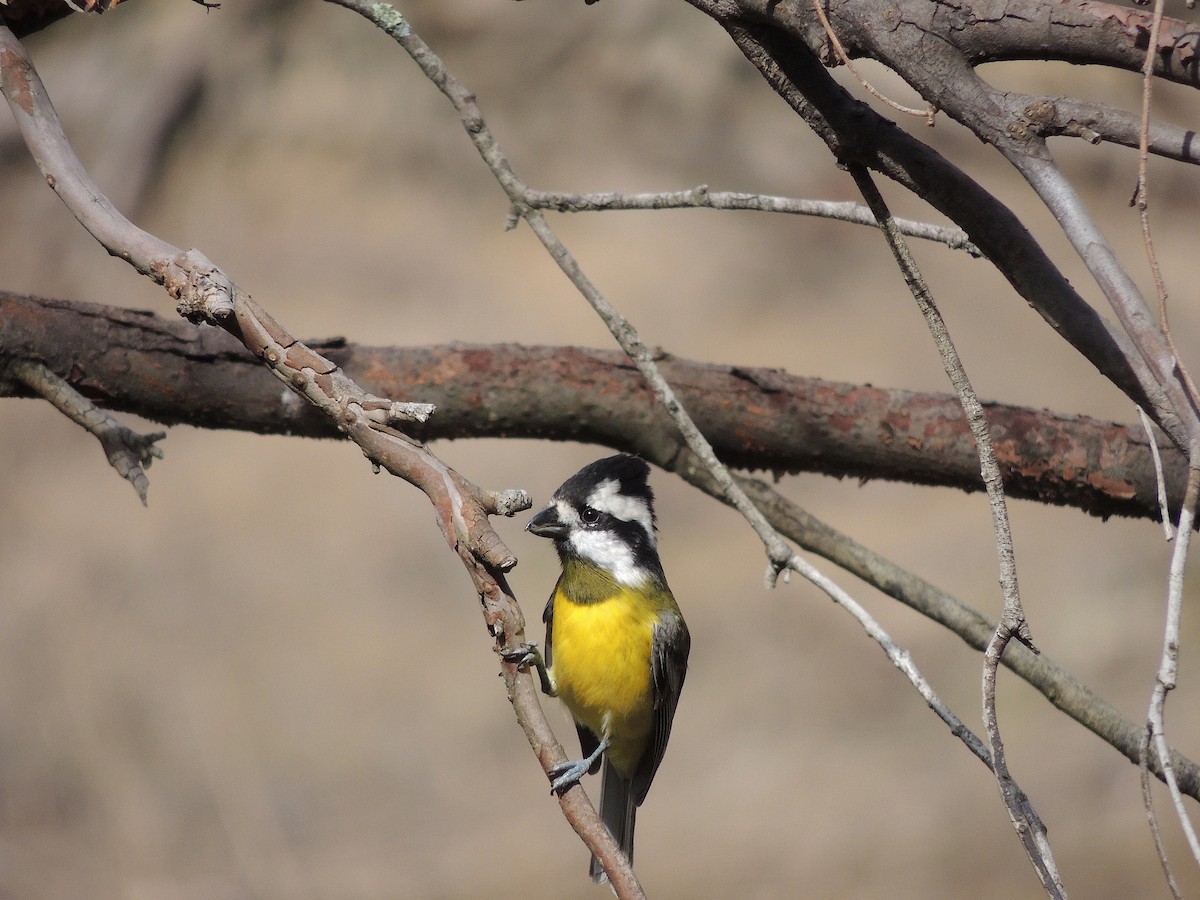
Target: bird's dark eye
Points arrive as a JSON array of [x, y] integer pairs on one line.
[[590, 516]]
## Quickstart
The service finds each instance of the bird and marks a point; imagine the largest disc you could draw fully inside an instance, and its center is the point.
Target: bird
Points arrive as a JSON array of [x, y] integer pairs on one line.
[[616, 647]]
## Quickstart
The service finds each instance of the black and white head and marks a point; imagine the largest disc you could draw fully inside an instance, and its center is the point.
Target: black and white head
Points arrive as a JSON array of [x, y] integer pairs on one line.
[[604, 515]]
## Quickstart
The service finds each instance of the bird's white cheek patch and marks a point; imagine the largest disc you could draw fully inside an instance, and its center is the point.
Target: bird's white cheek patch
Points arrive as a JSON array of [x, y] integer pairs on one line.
[[609, 552], [566, 513], [607, 497]]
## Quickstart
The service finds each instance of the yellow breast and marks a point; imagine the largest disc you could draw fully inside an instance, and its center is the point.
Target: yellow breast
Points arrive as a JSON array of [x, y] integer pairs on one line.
[[601, 669]]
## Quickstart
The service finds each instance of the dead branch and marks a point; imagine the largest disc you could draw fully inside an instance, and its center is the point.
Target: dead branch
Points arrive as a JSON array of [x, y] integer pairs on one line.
[[702, 198], [1013, 622], [765, 419], [128, 452], [854, 133]]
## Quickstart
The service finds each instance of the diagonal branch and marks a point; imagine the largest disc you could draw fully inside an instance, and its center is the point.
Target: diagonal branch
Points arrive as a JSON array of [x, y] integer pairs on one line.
[[576, 807], [855, 133], [1028, 824], [205, 293]]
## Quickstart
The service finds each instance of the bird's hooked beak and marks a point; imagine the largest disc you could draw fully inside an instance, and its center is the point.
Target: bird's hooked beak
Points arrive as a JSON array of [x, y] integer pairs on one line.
[[547, 524]]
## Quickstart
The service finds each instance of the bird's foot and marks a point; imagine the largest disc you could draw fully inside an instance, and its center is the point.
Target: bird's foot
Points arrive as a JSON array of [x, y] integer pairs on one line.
[[522, 655], [567, 774]]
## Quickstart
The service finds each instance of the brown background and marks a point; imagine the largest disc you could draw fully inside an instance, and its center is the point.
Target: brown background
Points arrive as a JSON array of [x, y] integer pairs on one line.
[[275, 683]]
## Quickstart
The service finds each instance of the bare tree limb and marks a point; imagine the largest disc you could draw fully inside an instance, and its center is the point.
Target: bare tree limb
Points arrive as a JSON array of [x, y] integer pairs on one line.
[[1068, 117], [1166, 678], [908, 38], [170, 371], [855, 133], [575, 806], [1057, 685], [766, 419], [1013, 623], [702, 198], [128, 452], [205, 293]]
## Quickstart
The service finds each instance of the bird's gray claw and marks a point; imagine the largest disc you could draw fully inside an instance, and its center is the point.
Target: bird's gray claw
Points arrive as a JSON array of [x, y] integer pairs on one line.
[[566, 775], [521, 655]]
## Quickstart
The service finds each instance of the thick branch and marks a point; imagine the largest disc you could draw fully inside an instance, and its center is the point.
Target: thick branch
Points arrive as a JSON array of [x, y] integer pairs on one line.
[[855, 133], [170, 371]]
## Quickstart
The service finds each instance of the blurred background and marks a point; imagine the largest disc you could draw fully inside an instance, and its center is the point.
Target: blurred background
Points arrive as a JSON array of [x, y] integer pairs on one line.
[[275, 682]]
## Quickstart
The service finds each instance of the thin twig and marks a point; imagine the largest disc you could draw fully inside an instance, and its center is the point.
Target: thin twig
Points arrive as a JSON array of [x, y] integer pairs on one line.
[[1141, 196], [1159, 477], [701, 197], [1168, 670], [129, 452], [898, 656], [929, 114], [1160, 846], [1165, 679], [1025, 819]]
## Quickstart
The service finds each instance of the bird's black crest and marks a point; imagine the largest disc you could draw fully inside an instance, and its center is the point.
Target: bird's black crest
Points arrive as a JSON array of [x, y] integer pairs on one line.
[[631, 472]]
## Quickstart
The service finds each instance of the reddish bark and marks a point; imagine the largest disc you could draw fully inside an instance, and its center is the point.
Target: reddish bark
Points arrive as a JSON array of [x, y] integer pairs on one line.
[[173, 372]]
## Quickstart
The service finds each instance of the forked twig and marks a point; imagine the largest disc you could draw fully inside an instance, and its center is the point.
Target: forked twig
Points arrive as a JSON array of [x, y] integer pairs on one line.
[[1168, 670], [929, 114], [205, 293], [1029, 826], [129, 452], [1160, 478]]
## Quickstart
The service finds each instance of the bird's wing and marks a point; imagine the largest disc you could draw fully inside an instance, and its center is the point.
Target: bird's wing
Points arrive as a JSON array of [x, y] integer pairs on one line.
[[548, 618], [668, 667]]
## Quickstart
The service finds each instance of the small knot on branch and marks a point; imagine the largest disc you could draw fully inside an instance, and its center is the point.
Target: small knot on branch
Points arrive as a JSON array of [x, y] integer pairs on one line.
[[203, 292], [507, 503], [387, 412], [780, 558], [491, 549]]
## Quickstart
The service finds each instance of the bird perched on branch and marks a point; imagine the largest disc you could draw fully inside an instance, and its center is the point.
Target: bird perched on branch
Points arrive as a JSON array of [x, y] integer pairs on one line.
[[616, 644]]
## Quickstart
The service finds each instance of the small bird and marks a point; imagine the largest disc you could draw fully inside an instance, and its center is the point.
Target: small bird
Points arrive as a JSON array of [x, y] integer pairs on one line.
[[616, 644]]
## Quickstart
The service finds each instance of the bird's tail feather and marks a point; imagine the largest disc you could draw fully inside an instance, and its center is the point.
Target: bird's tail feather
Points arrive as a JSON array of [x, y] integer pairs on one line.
[[618, 810]]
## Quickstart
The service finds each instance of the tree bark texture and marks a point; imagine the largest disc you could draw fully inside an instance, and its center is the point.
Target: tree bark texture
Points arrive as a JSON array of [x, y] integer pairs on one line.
[[759, 419]]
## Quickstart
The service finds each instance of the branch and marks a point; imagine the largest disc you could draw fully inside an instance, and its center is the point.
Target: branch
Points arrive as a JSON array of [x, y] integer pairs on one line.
[[128, 452], [1096, 122], [1168, 669], [923, 50], [1013, 623], [766, 419], [1062, 689], [205, 293], [702, 198], [578, 811], [170, 371], [855, 133]]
